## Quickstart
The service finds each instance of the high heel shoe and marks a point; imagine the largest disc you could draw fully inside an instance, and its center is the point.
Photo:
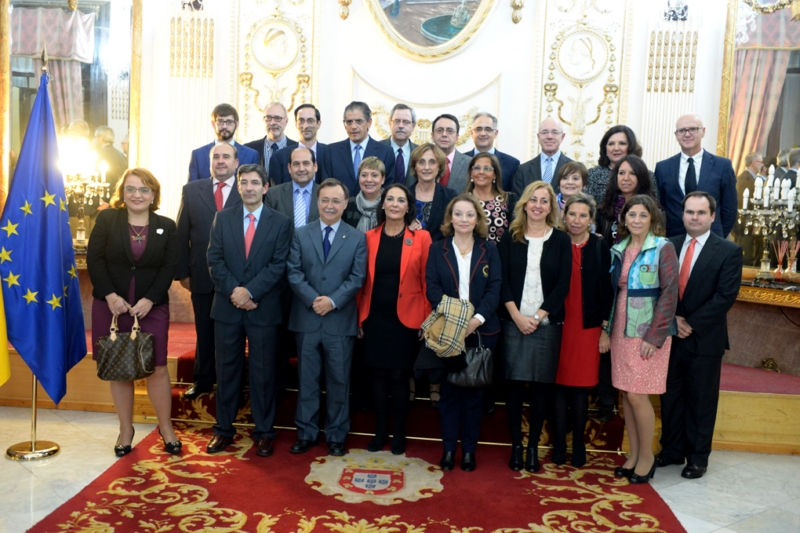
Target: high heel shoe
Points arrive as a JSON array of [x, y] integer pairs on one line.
[[173, 447], [637, 479], [515, 463], [623, 472], [121, 450]]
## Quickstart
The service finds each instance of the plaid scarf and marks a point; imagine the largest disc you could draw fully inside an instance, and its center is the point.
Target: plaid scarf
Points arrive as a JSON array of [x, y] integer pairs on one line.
[[446, 326]]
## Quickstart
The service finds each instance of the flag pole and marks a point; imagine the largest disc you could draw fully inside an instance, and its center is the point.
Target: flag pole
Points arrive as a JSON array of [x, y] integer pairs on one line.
[[32, 450]]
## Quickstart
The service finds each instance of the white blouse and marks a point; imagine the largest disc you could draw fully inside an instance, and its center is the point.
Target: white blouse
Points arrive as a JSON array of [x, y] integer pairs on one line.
[[532, 294], [464, 263]]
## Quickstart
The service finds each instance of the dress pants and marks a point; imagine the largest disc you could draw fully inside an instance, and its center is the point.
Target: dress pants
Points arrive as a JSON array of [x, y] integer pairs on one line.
[[689, 407], [204, 367], [262, 343], [607, 395], [319, 353]]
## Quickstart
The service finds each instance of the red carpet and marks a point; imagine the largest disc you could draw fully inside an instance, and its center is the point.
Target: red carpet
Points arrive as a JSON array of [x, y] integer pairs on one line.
[[150, 491], [745, 379]]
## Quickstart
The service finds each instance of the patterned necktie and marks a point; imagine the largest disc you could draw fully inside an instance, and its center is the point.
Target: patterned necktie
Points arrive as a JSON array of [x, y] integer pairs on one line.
[[326, 241], [548, 170], [249, 234], [357, 161], [686, 267], [300, 209], [690, 183], [445, 179], [218, 195], [400, 167]]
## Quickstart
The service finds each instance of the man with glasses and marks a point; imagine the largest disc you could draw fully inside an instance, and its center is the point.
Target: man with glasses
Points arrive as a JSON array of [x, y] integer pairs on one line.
[[342, 159], [402, 122], [484, 132], [308, 122], [695, 169], [444, 132], [545, 166], [275, 120], [224, 120]]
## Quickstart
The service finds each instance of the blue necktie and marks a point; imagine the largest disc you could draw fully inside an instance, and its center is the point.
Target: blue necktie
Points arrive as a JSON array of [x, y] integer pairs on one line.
[[400, 167], [326, 242], [548, 170], [300, 208], [357, 161]]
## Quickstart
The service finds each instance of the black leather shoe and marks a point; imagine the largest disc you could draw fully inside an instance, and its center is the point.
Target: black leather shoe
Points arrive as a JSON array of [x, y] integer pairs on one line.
[[578, 455], [302, 446], [515, 463], [448, 461], [398, 444], [636, 479], [532, 460], [663, 460], [121, 450], [377, 443], [194, 391], [693, 471], [605, 414], [218, 443], [623, 472], [468, 462], [559, 454], [173, 447], [266, 447], [336, 449]]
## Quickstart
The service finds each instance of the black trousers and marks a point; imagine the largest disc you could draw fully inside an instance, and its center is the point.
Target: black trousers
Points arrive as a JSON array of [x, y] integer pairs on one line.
[[607, 395], [204, 367], [689, 407]]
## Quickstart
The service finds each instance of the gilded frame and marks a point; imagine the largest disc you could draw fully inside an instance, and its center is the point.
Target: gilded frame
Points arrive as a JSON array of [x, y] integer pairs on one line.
[[429, 54]]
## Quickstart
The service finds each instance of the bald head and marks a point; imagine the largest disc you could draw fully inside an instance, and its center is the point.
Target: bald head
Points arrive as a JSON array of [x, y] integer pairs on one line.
[[550, 135], [689, 132]]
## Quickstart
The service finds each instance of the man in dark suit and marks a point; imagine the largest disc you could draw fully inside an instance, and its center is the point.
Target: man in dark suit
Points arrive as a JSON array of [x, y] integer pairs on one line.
[[298, 198], [484, 132], [224, 120], [695, 169], [709, 281], [276, 120], [200, 202], [115, 160], [752, 245], [794, 167], [546, 165], [342, 159], [308, 121], [444, 134], [326, 269], [247, 259], [782, 163], [402, 122]]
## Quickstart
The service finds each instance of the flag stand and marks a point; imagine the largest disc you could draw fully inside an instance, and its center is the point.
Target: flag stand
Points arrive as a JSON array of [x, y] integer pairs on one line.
[[32, 450]]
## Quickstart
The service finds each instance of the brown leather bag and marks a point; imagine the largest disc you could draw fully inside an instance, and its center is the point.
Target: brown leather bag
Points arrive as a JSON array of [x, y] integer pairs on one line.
[[125, 356]]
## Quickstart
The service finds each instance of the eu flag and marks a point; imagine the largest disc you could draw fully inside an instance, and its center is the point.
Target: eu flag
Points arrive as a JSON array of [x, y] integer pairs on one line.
[[37, 262]]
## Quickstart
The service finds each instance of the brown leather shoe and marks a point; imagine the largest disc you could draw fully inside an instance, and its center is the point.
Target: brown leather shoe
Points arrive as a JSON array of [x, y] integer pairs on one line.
[[218, 443], [266, 445]]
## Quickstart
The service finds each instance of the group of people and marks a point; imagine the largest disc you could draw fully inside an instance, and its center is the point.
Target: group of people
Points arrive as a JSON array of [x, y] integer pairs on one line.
[[551, 267]]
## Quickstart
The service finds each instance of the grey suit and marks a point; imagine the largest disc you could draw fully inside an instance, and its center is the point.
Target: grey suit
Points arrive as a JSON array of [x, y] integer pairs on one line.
[[281, 199], [458, 173], [325, 341], [531, 171], [412, 146]]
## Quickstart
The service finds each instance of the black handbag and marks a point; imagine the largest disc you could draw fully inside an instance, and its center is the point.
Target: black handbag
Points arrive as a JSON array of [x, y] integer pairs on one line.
[[125, 356], [478, 372]]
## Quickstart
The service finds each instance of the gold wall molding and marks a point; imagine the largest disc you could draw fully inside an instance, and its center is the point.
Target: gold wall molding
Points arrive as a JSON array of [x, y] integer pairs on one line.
[[191, 46], [344, 9], [726, 93], [672, 61], [516, 14], [769, 296], [134, 128], [5, 99]]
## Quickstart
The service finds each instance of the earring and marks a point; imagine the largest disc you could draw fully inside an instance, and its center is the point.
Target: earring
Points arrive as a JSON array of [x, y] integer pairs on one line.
[[152, 202], [493, 181]]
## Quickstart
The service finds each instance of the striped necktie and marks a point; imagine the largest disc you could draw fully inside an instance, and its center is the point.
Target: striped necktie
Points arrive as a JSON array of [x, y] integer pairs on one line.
[[300, 208]]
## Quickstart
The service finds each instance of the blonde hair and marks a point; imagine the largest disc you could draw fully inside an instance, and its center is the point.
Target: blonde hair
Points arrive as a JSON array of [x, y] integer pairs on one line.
[[520, 223], [481, 226]]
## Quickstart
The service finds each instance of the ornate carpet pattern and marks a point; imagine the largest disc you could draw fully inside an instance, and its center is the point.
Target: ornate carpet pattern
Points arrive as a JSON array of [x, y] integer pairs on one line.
[[237, 491]]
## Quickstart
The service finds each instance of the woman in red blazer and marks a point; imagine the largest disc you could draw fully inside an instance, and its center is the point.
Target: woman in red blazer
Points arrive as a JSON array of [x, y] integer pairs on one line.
[[391, 309]]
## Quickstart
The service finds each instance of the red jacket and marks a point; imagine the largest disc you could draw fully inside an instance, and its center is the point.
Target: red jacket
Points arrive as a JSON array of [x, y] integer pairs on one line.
[[412, 305]]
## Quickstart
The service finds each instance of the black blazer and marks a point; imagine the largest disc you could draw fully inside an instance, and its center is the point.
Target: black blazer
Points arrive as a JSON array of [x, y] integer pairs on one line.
[[596, 289], [109, 258], [258, 146], [531, 171], [555, 267], [441, 278], [278, 170], [508, 167], [441, 197], [337, 162], [710, 293]]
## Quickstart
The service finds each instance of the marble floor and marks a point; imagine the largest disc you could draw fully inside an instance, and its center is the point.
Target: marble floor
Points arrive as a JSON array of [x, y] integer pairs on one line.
[[742, 492]]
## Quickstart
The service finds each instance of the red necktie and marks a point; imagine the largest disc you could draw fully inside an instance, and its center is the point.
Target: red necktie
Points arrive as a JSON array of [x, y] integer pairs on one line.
[[248, 236], [686, 267], [218, 195], [446, 176]]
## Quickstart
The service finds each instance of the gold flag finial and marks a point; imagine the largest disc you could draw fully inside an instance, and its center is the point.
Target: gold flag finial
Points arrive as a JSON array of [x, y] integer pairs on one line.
[[44, 59]]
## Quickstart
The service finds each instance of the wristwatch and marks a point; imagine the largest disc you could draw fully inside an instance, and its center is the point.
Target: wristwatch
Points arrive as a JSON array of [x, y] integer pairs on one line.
[[536, 317]]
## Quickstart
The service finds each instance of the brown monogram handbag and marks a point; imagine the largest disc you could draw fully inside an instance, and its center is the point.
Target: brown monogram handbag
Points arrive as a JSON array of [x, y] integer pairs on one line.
[[125, 356]]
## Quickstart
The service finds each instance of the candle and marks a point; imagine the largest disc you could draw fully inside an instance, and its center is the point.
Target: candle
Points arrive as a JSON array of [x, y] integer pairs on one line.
[[772, 170], [766, 196], [746, 198], [791, 201], [770, 180], [776, 193]]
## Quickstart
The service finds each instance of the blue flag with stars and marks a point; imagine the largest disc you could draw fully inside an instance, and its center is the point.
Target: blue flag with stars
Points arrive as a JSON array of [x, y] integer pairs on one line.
[[37, 262]]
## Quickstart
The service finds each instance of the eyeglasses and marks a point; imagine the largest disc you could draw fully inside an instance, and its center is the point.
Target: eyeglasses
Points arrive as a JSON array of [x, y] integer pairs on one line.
[[335, 201], [309, 121], [483, 129], [401, 122], [545, 133], [684, 131], [142, 190], [224, 122], [273, 118], [449, 131], [357, 121], [485, 169]]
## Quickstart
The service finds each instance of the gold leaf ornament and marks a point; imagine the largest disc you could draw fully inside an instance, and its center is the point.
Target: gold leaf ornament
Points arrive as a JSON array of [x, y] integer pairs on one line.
[[344, 9]]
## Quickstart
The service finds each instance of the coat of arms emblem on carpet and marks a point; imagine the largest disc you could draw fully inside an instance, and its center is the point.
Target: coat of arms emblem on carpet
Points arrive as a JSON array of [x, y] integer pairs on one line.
[[381, 478]]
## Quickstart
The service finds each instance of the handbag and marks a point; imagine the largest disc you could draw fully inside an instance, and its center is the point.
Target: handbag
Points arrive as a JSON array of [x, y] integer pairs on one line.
[[478, 372], [125, 356]]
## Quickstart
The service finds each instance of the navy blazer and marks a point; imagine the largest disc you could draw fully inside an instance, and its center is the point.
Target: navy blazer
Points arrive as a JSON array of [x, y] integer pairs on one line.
[[531, 171], [485, 281], [278, 170], [441, 197], [508, 166], [200, 164], [258, 146], [716, 178], [337, 162]]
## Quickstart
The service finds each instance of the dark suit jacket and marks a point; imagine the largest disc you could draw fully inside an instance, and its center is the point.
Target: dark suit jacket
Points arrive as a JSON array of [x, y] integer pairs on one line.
[[338, 163], [258, 146], [281, 199], [716, 178], [710, 293], [791, 174], [388, 142], [278, 170], [441, 197], [555, 267], [485, 279], [531, 171], [260, 273], [109, 258], [195, 216], [508, 166], [200, 164]]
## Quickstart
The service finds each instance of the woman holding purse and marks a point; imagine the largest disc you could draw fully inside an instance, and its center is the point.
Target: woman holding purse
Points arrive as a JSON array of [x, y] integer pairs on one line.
[[131, 259]]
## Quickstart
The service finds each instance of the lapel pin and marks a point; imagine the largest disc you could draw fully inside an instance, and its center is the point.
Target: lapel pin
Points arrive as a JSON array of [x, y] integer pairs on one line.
[[160, 231], [409, 242]]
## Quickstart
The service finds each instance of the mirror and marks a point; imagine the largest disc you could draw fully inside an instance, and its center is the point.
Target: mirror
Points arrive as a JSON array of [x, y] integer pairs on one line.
[[429, 30]]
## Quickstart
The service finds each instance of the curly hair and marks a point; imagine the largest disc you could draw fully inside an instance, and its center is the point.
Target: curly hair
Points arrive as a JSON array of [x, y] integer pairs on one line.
[[148, 180]]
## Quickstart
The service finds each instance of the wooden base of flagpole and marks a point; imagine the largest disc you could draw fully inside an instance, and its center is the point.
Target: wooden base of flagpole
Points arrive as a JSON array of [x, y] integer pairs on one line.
[[32, 450]]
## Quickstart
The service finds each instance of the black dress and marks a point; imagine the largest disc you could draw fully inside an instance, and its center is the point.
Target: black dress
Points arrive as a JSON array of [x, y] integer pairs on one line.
[[387, 342]]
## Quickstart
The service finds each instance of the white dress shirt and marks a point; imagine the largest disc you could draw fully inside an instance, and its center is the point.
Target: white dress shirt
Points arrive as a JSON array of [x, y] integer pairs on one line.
[[532, 292], [363, 145], [698, 160], [698, 247], [543, 163], [464, 263], [406, 149], [226, 190]]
